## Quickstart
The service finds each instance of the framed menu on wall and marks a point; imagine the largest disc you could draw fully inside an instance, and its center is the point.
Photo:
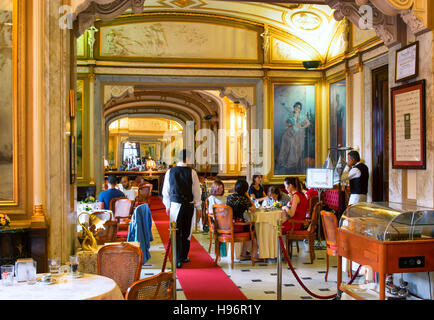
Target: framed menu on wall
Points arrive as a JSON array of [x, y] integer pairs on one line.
[[407, 62], [408, 126]]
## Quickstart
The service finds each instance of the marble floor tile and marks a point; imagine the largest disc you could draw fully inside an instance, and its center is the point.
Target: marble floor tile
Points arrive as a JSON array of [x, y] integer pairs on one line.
[[259, 282]]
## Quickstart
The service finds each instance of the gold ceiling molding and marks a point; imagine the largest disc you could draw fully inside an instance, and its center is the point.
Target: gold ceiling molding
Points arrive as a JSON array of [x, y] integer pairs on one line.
[[384, 19]]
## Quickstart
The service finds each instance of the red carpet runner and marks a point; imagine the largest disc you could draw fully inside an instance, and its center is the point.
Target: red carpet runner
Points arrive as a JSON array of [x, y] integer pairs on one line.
[[200, 279]]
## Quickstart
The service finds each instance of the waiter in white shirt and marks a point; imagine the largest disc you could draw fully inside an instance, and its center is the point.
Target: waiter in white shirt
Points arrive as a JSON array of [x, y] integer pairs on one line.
[[358, 175], [181, 195]]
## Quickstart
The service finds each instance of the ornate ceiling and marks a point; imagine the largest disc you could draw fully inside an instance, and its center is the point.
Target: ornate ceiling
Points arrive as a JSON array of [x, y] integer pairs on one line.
[[283, 16]]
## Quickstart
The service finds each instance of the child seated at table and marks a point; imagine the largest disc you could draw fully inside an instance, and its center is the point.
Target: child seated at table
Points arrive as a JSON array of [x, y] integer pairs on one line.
[[274, 195]]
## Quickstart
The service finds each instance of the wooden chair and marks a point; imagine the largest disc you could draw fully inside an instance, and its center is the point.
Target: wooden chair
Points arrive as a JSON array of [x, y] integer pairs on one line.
[[121, 208], [309, 234], [159, 287], [120, 262], [330, 227], [224, 231], [144, 194]]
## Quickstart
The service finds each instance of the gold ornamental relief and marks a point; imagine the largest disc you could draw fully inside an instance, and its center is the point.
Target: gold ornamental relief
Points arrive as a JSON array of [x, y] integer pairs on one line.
[[392, 7], [401, 4], [306, 20]]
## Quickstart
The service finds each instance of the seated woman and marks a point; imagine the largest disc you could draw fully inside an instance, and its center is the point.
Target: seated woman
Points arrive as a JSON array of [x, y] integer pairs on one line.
[[274, 195], [240, 203], [217, 192], [297, 210], [256, 191]]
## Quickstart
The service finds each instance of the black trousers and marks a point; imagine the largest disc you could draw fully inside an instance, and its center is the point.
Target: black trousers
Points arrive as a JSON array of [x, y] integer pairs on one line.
[[183, 224]]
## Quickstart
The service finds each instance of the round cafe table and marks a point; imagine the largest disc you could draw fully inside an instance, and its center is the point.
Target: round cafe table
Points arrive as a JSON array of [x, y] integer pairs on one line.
[[266, 228], [89, 287]]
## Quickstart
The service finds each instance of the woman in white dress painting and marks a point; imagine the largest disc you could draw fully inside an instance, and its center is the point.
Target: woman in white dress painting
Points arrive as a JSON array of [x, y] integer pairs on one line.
[[292, 140]]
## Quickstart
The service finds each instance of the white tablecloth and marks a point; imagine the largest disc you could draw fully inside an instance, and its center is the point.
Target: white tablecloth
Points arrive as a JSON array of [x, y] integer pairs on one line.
[[89, 287], [265, 226]]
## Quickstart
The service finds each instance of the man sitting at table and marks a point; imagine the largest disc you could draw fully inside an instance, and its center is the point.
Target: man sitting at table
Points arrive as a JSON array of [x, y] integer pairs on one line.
[[126, 187], [112, 193]]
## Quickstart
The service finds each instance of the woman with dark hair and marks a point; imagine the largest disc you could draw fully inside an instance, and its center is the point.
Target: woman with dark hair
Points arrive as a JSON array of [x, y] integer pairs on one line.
[[217, 192], [297, 210], [240, 203], [274, 195], [256, 191]]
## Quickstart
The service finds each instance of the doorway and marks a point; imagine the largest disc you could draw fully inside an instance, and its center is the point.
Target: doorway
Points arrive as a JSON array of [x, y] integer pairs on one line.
[[380, 134]]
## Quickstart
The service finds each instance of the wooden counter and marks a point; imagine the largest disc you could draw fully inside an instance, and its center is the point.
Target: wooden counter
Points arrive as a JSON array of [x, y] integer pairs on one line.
[[382, 256]]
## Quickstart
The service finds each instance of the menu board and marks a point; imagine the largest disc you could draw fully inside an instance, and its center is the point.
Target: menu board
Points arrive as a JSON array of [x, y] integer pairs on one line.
[[319, 178]]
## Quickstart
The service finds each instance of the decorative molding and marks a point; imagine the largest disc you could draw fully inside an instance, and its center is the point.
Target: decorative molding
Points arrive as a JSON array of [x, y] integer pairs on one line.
[[384, 26], [416, 26], [90, 10], [91, 40], [245, 95], [266, 36]]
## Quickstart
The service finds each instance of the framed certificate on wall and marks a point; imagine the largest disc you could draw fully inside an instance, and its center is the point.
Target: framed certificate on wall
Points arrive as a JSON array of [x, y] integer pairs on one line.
[[408, 126], [407, 62]]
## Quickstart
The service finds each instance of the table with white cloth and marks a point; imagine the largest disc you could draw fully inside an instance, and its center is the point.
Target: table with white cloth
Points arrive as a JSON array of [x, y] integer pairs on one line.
[[266, 227], [88, 287]]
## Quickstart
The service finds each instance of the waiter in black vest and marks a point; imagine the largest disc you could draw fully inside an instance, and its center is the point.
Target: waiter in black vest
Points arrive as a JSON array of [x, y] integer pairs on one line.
[[181, 195], [358, 175]]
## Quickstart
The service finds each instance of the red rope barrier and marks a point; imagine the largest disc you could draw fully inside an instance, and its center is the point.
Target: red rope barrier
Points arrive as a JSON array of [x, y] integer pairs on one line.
[[282, 246]]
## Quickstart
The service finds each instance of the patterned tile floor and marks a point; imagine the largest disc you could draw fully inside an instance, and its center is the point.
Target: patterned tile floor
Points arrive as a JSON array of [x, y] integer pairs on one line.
[[259, 282]]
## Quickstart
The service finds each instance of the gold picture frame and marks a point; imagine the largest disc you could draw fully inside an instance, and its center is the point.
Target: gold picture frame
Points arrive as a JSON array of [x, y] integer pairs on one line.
[[16, 204], [72, 104], [320, 140]]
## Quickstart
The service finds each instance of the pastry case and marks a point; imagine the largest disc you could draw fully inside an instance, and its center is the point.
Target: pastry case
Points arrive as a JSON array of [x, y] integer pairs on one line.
[[388, 237]]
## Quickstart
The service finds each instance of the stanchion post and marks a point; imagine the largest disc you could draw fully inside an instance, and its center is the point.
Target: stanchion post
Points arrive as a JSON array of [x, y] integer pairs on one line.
[[173, 244], [279, 261]]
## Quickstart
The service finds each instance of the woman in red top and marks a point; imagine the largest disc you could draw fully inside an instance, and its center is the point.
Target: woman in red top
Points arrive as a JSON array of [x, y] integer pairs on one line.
[[298, 208]]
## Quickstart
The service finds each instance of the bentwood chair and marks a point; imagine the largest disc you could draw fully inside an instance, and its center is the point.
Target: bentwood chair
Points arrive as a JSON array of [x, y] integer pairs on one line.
[[121, 208], [120, 262], [224, 231], [158, 287], [309, 234]]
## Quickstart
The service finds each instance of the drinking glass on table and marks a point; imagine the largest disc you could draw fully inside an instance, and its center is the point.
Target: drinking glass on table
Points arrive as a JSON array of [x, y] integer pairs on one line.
[[73, 262], [7, 275], [54, 266]]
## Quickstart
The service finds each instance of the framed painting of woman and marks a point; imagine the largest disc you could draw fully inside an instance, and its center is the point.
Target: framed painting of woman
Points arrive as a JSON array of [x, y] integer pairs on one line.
[[294, 128], [338, 117]]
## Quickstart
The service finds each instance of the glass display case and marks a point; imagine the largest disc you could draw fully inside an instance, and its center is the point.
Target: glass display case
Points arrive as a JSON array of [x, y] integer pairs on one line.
[[389, 221]]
